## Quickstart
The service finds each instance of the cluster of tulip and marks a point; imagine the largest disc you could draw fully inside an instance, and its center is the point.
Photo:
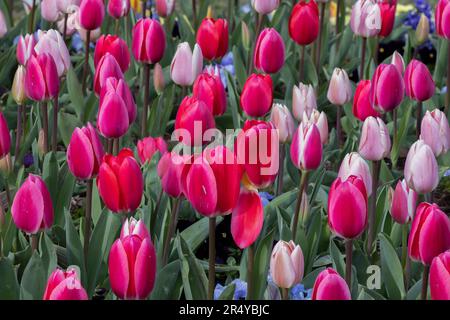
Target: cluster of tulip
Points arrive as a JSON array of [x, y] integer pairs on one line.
[[119, 151]]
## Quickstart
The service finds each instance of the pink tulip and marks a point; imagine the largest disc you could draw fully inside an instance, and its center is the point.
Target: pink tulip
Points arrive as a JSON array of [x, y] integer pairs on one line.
[[443, 18], [321, 122], [330, 285], [362, 105], [347, 207], [32, 208], [5, 137], [41, 78], [418, 81], [257, 95], [398, 62], [147, 147], [440, 277], [387, 89], [186, 66], [3, 27], [149, 41], [340, 89], [366, 20], [64, 5], [265, 6], [51, 42], [49, 10], [107, 67], [403, 203], [132, 226], [118, 8], [303, 101], [115, 46], [306, 147], [169, 170], [286, 264], [92, 13], [282, 119], [18, 86], [64, 285], [421, 168], [269, 51], [25, 48], [120, 182], [73, 22], [430, 233], [209, 88], [375, 143], [121, 88], [164, 8], [85, 152], [435, 131], [354, 165]]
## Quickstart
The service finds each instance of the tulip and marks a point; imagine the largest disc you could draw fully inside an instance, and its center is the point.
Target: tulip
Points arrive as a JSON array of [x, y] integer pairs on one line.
[[209, 88], [257, 95], [92, 13], [329, 285], [366, 19], [422, 30], [132, 226], [5, 168], [265, 6], [442, 19], [149, 41], [247, 218], [421, 168], [169, 170], [65, 5], [321, 122], [347, 207], [282, 119], [387, 88], [306, 147], [418, 81], [435, 131], [147, 147], [25, 48], [3, 27], [49, 10], [375, 143], [64, 285], [117, 47], [269, 51], [430, 233], [362, 106], [18, 86], [107, 67], [85, 152], [440, 277], [245, 35], [185, 66], [403, 203], [158, 78], [120, 182], [303, 101], [164, 8], [119, 87], [193, 114], [398, 62], [387, 11], [118, 8], [304, 22], [41, 78], [354, 165], [212, 37], [5, 137], [32, 208], [52, 43], [286, 264], [340, 89]]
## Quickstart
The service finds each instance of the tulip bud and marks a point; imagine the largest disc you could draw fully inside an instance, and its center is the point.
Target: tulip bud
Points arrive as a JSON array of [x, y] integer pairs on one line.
[[362, 106], [64, 285], [114, 45], [375, 143], [3, 27], [265, 6], [306, 147], [418, 81], [347, 207], [403, 202], [282, 119], [158, 78], [186, 66], [169, 170], [118, 8], [321, 122], [304, 22], [366, 20], [440, 277], [92, 13], [132, 226], [52, 43], [387, 88], [430, 233], [164, 8], [286, 264], [147, 147], [257, 95], [421, 168], [303, 101], [41, 78], [41, 142], [398, 62], [107, 68], [149, 41], [120, 182], [18, 86], [435, 131], [49, 10], [32, 208], [354, 165], [442, 19], [209, 88], [340, 89], [330, 285], [25, 48], [6, 165], [422, 30], [269, 51], [245, 35], [387, 12], [212, 37]]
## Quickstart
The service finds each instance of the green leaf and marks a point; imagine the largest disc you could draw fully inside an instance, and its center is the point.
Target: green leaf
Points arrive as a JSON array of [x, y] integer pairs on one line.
[[401, 133], [337, 258], [168, 284], [33, 279], [48, 254], [9, 287], [232, 99], [75, 255], [75, 92], [66, 184], [67, 124], [261, 267], [391, 269], [50, 175], [228, 293]]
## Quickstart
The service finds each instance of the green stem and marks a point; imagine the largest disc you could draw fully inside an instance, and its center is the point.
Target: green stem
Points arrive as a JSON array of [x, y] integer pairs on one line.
[[281, 170], [319, 45], [338, 126], [284, 293], [55, 124], [302, 63], [376, 166], [171, 231], [146, 100], [418, 118], [86, 61], [88, 217], [363, 58], [44, 112], [426, 271], [301, 189], [194, 13], [144, 8], [155, 213], [34, 241], [20, 111], [338, 21], [66, 17], [251, 66], [348, 261], [31, 20], [250, 267], [212, 258]]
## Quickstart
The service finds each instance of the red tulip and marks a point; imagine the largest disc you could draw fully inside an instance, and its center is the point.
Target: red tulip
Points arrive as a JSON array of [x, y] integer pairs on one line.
[[5, 137], [209, 88], [362, 106], [120, 182], [25, 48], [430, 233], [330, 285], [147, 147], [41, 78], [107, 67], [118, 8], [92, 13], [443, 18], [388, 88], [85, 152], [304, 22], [418, 81], [170, 169], [115, 46], [347, 207], [32, 208], [257, 95], [212, 37], [387, 8], [403, 203], [64, 285], [306, 147], [440, 277], [120, 87], [149, 41], [269, 51]]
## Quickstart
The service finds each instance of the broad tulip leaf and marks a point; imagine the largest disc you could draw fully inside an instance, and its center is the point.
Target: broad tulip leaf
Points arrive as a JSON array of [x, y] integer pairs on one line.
[[228, 293], [48, 254], [9, 287], [75, 255], [33, 279], [391, 269], [168, 282], [261, 267]]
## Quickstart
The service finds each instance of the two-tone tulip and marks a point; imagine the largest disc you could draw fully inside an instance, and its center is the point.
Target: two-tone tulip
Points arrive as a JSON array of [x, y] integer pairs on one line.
[[114, 45], [64, 285], [25, 48], [107, 67], [306, 147], [303, 101], [398, 62], [18, 87], [440, 277], [443, 19], [212, 37], [287, 264], [118, 8], [282, 119], [419, 82], [186, 65], [3, 26], [362, 105], [304, 22], [365, 19], [435, 131], [257, 95], [91, 14], [375, 143], [340, 89], [149, 41], [119, 87], [41, 78], [321, 122], [403, 202], [164, 8], [329, 285], [269, 51], [148, 146], [52, 43], [354, 165]]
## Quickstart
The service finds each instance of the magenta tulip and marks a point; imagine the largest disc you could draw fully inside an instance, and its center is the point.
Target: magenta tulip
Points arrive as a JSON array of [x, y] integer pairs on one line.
[[25, 48], [5, 137], [269, 51], [119, 87], [41, 78], [330, 285], [149, 41], [115, 46], [118, 8], [92, 13], [209, 88], [403, 203], [257, 95], [443, 19], [106, 68], [147, 147], [132, 226], [306, 147], [440, 277], [64, 285], [388, 89], [170, 169], [418, 81]]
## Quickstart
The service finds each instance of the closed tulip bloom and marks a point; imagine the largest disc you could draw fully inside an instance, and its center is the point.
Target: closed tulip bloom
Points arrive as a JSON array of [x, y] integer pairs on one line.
[[321, 122], [329, 285], [51, 42], [282, 119], [64, 285], [286, 264], [25, 48], [421, 168], [366, 20], [118, 8], [387, 11], [354, 165], [120, 182], [419, 82], [3, 27], [375, 143], [304, 22], [186, 66], [440, 277], [209, 88], [49, 10], [147, 147], [388, 88], [132, 226], [32, 208], [18, 86], [158, 78], [403, 202], [340, 89], [303, 101], [362, 105], [107, 67], [247, 218], [149, 41], [269, 51], [435, 131], [121, 88], [257, 95], [212, 37], [265, 6], [169, 170], [164, 8], [430, 233], [347, 207], [85, 152], [422, 30], [64, 5], [5, 137], [398, 62], [41, 78], [443, 18], [92, 13], [114, 45], [306, 147]]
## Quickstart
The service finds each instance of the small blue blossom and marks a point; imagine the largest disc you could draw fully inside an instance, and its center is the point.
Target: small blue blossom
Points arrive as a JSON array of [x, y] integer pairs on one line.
[[298, 292], [28, 160], [447, 173], [240, 291], [266, 198], [246, 8], [77, 43]]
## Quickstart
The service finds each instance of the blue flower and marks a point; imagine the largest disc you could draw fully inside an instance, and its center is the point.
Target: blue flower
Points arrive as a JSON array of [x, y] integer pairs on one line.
[[240, 291], [266, 198], [28, 160], [413, 17], [298, 292]]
